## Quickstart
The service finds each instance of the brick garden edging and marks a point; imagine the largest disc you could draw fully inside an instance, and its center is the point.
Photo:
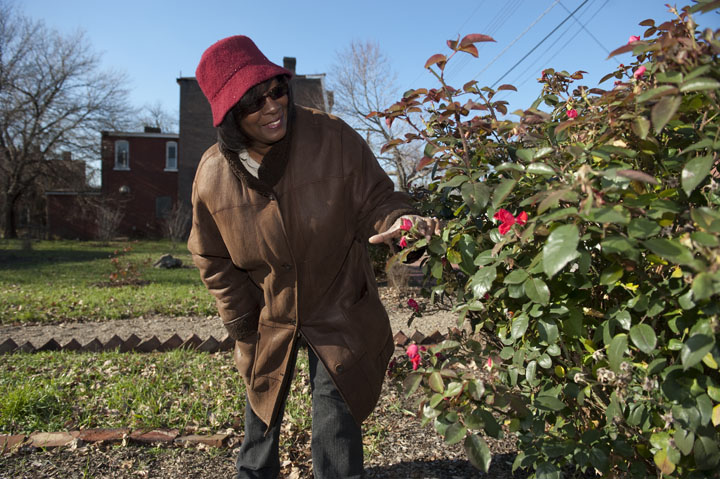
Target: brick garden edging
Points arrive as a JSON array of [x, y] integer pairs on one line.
[[44, 440], [134, 344], [168, 437]]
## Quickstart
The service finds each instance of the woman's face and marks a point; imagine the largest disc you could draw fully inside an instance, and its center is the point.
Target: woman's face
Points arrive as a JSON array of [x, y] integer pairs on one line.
[[267, 125]]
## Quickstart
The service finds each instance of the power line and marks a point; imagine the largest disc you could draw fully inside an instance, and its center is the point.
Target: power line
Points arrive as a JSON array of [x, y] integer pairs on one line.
[[588, 31], [540, 42], [500, 18], [516, 39], [544, 57]]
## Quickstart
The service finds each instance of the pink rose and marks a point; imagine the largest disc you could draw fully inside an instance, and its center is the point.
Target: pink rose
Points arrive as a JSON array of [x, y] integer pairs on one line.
[[572, 113], [402, 242], [521, 219], [633, 39], [406, 224], [640, 71], [412, 350], [507, 219], [413, 304], [415, 362], [489, 364]]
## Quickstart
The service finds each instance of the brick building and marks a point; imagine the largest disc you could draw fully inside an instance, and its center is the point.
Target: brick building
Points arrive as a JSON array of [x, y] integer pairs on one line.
[[140, 177], [147, 174]]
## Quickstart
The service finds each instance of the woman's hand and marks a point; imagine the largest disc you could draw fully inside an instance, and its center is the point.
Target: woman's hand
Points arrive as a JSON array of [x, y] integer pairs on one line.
[[425, 226]]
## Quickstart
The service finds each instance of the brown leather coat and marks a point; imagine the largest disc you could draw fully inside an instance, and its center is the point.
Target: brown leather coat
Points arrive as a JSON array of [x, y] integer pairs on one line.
[[295, 262]]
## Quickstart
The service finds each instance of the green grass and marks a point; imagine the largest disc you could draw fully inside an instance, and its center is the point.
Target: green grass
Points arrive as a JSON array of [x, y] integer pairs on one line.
[[69, 280], [179, 389]]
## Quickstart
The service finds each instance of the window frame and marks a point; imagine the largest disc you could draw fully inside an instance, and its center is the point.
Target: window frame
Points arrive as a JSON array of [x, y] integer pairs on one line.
[[167, 156], [121, 145]]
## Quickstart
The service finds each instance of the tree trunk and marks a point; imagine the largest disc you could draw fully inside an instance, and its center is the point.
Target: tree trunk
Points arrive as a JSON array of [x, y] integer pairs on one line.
[[9, 226]]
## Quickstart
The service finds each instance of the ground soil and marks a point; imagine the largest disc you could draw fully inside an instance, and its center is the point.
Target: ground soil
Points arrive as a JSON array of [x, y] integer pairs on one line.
[[408, 449]]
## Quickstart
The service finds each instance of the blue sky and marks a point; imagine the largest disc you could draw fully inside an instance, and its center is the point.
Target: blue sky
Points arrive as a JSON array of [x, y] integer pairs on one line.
[[154, 42]]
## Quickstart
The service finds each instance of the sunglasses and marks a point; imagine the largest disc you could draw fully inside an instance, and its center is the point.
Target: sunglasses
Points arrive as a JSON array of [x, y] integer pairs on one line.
[[275, 93]]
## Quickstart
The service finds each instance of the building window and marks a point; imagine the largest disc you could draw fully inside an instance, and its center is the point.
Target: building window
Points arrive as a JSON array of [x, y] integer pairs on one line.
[[163, 207], [122, 155], [171, 156]]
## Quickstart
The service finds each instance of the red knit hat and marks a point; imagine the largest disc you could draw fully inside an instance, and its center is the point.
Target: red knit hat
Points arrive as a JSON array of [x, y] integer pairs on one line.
[[228, 69]]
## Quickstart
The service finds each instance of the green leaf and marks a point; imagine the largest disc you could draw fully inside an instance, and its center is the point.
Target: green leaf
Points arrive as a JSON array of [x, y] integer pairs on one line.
[[478, 452], [663, 463], [436, 382], [702, 286], [705, 239], [610, 214], [476, 196], [525, 154], [706, 453], [661, 90], [684, 440], [516, 276], [699, 84], [411, 383], [537, 290], [695, 172], [670, 250], [502, 191], [519, 326], [482, 281], [663, 111], [620, 245], [453, 389], [547, 470], [549, 403], [454, 182], [611, 274], [693, 350], [669, 77], [707, 218], [643, 337], [641, 127], [560, 248], [530, 373], [599, 459], [642, 228], [616, 351], [455, 433], [540, 169], [476, 389]]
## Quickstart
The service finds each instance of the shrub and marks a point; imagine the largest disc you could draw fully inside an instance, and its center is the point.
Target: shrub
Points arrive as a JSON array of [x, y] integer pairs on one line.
[[584, 244]]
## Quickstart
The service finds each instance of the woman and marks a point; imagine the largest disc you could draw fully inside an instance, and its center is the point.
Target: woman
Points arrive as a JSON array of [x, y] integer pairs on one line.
[[283, 206]]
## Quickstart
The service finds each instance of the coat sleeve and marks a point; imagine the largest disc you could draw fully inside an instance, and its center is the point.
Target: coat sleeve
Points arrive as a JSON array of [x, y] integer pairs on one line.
[[376, 202], [238, 299]]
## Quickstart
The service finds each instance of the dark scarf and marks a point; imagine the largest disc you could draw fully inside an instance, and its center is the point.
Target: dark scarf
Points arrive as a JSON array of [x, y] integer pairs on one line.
[[272, 166]]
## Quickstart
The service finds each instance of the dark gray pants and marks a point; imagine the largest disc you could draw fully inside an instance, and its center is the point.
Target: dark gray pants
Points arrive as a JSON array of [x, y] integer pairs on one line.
[[337, 451]]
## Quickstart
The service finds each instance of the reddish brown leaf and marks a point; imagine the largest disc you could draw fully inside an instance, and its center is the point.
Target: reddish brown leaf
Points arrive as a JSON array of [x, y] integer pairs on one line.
[[426, 160], [438, 58], [648, 23], [475, 38], [471, 49], [506, 86], [623, 49]]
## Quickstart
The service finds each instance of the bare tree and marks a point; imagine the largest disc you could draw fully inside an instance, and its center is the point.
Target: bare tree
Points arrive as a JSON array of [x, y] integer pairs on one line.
[[176, 224], [108, 216], [155, 115], [53, 98], [363, 81]]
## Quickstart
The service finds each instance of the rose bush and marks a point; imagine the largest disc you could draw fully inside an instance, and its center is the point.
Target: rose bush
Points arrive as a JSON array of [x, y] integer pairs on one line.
[[581, 243]]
